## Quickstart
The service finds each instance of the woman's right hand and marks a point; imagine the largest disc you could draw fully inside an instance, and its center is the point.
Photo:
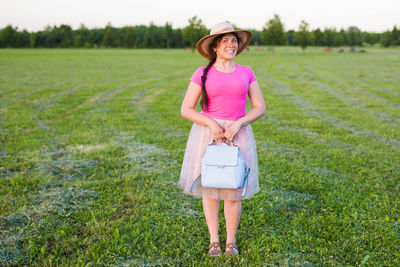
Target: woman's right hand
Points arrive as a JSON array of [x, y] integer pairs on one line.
[[216, 131]]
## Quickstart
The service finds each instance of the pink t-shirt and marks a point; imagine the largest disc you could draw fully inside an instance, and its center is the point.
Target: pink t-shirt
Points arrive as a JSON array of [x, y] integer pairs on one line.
[[227, 92]]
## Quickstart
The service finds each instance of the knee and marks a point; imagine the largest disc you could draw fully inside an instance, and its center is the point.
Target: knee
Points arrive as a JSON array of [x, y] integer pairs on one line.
[[232, 202]]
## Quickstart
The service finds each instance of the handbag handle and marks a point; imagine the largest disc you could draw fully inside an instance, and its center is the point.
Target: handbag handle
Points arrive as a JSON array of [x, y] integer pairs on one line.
[[213, 142]]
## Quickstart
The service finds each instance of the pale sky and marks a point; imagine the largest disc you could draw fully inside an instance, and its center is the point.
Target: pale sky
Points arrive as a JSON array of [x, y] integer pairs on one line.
[[367, 15]]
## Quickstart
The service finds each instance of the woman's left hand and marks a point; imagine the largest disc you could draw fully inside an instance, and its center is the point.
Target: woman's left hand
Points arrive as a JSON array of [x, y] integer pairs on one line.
[[232, 130]]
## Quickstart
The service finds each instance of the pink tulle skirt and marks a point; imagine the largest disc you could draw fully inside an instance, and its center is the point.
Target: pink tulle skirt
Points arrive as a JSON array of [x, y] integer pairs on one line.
[[199, 137]]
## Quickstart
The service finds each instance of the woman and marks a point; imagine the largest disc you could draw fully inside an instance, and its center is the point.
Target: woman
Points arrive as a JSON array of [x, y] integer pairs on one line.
[[223, 86]]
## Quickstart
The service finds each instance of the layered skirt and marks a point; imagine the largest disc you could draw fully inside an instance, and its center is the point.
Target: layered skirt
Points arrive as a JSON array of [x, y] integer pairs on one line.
[[200, 136]]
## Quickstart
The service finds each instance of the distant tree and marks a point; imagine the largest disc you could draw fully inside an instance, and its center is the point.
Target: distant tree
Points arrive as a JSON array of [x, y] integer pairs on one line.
[[118, 37], [11, 37], [303, 36], [32, 39], [329, 36], [178, 38], [338, 39], [108, 38], [169, 33], [194, 31], [8, 36], [343, 33], [2, 40], [371, 38], [290, 37], [140, 36], [23, 39], [129, 36], [386, 39], [395, 36], [81, 37], [78, 41], [63, 35], [49, 37], [155, 37], [85, 33], [256, 37], [274, 33], [95, 37], [39, 39], [149, 37], [318, 37], [354, 36]]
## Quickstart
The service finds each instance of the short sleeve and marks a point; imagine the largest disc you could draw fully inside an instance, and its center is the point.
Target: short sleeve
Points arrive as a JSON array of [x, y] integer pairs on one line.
[[252, 77], [196, 77]]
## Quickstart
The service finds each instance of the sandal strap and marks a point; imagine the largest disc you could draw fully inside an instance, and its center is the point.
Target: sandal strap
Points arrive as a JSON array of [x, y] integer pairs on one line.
[[232, 246], [214, 245], [231, 249], [214, 249]]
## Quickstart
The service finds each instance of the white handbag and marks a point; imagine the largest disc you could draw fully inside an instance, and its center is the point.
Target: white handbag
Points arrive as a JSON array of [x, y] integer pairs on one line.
[[223, 167]]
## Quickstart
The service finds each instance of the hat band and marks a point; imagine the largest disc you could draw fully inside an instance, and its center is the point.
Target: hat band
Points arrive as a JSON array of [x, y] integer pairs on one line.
[[224, 30]]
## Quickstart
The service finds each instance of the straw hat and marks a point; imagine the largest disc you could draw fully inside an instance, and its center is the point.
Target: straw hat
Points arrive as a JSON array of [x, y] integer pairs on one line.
[[222, 28]]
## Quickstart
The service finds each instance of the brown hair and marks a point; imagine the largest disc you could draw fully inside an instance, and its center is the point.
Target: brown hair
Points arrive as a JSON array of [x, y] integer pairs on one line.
[[204, 96]]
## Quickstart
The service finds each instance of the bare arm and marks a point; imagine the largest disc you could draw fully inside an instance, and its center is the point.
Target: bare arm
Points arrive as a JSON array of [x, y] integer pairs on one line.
[[189, 112], [257, 111], [257, 100]]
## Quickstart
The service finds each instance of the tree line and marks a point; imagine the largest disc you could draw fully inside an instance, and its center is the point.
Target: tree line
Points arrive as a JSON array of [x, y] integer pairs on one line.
[[153, 36]]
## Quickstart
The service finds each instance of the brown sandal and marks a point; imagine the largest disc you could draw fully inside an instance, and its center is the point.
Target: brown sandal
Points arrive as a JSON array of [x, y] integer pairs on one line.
[[231, 249], [214, 250]]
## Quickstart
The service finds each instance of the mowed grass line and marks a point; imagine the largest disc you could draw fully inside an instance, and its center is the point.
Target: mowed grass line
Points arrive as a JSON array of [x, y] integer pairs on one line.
[[368, 82], [95, 179], [377, 99], [353, 86], [309, 105], [365, 109]]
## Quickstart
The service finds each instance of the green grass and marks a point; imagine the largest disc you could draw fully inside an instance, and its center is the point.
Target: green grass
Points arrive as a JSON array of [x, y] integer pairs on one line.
[[92, 143]]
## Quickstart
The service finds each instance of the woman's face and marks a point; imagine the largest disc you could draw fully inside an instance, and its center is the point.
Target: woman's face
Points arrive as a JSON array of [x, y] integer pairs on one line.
[[227, 47]]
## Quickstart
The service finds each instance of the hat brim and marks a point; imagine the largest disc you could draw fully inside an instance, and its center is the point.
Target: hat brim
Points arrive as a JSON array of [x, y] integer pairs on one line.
[[204, 43]]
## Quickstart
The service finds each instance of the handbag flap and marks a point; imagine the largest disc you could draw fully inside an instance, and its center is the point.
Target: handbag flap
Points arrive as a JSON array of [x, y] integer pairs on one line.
[[221, 155]]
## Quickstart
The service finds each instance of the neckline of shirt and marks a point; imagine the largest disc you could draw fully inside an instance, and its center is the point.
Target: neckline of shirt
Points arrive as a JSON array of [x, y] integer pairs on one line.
[[236, 67]]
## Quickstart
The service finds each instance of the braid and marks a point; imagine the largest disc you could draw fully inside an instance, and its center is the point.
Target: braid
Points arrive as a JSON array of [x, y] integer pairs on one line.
[[204, 96]]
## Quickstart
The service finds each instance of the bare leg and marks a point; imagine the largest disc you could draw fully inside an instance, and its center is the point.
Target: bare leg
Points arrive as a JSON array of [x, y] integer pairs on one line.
[[232, 210], [210, 208]]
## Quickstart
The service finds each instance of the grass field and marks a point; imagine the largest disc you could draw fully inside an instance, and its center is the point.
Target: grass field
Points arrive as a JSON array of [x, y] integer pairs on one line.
[[92, 142]]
